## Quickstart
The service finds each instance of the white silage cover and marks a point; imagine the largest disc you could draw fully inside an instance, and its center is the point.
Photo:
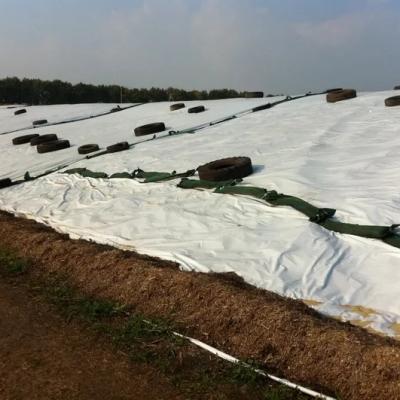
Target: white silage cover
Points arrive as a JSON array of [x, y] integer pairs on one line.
[[343, 156]]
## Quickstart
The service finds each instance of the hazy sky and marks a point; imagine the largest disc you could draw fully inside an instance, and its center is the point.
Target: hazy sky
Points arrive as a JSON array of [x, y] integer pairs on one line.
[[273, 45]]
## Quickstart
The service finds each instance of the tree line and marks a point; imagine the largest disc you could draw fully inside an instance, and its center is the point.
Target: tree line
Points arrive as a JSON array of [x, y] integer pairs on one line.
[[37, 91]]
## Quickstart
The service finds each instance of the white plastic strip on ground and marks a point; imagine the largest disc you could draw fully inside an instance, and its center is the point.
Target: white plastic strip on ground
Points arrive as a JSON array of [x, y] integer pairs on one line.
[[234, 360], [342, 155]]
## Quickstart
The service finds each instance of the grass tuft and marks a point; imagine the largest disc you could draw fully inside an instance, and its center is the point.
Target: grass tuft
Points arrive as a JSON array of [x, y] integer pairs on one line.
[[12, 264]]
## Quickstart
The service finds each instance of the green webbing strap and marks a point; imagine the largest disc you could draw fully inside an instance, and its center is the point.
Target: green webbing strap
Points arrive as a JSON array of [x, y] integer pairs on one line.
[[203, 184], [152, 176], [392, 240], [321, 216], [86, 173], [259, 193], [140, 174], [313, 213], [367, 231], [121, 175]]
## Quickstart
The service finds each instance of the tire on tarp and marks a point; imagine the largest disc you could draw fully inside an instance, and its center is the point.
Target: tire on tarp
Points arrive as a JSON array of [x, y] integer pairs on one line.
[[39, 122], [340, 95], [24, 139], [197, 109], [177, 106], [263, 107], [6, 182], [333, 90], [150, 129], [55, 145], [121, 146], [19, 112], [225, 169], [88, 148], [392, 101], [51, 137], [253, 95]]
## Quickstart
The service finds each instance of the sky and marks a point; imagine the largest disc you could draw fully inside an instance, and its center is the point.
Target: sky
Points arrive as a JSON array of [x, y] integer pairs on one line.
[[279, 46]]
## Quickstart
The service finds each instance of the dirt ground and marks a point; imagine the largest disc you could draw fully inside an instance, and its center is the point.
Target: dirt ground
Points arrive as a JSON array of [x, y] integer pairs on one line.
[[57, 343], [284, 336], [42, 356]]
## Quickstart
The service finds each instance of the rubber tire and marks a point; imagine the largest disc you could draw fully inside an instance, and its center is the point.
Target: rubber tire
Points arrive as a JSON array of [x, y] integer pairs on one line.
[[196, 110], [6, 182], [177, 106], [253, 95], [225, 169], [24, 139], [39, 122], [341, 95], [392, 101], [396, 88], [88, 148], [333, 90], [121, 146], [55, 145], [263, 107], [18, 112], [149, 129], [51, 137]]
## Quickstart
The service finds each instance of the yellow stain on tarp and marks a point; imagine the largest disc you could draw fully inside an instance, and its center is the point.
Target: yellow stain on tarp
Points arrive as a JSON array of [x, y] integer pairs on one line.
[[312, 303], [363, 311], [364, 322], [396, 330]]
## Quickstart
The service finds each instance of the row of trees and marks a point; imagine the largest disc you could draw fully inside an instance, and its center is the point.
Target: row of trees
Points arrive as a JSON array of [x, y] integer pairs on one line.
[[36, 91]]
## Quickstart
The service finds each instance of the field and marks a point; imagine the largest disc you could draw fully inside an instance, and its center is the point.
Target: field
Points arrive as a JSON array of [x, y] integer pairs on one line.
[[221, 262]]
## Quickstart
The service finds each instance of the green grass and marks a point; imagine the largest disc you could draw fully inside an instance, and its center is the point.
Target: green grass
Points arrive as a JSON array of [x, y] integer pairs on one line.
[[73, 305], [12, 264]]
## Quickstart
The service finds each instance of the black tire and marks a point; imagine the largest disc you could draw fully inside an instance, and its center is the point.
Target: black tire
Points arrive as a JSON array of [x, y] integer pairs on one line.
[[53, 146], [121, 146], [51, 137], [196, 110], [392, 101], [39, 122], [340, 95], [24, 139], [19, 112], [177, 106], [88, 148], [253, 95], [225, 169], [333, 90], [116, 109], [263, 107], [149, 129], [396, 88], [6, 182]]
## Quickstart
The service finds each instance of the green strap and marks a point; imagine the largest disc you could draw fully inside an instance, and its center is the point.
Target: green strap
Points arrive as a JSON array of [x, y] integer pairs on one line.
[[203, 184], [121, 175], [152, 176], [86, 173], [321, 216], [315, 214], [367, 231], [140, 174]]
